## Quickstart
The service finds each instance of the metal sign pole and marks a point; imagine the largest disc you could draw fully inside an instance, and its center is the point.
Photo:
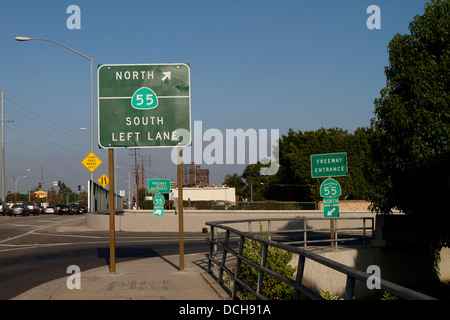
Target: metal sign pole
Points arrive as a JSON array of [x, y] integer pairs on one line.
[[112, 244], [180, 207]]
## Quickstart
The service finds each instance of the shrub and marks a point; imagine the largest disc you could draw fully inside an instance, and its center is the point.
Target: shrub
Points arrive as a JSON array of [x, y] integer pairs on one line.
[[277, 260]]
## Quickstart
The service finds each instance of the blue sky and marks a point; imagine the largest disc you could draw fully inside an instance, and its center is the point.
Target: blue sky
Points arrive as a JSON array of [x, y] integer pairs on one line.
[[254, 64]]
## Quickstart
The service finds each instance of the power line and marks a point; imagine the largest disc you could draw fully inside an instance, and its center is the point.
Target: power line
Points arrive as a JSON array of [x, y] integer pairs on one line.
[[47, 119], [48, 136]]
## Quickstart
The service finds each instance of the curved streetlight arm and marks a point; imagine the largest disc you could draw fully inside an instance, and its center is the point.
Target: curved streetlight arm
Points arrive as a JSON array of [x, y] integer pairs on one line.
[[92, 87], [27, 39]]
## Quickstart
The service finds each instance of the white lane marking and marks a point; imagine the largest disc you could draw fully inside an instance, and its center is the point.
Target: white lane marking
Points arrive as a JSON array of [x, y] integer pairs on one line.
[[34, 230]]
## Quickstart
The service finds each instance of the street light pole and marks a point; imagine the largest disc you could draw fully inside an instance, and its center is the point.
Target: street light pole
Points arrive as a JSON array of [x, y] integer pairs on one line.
[[92, 93], [15, 186]]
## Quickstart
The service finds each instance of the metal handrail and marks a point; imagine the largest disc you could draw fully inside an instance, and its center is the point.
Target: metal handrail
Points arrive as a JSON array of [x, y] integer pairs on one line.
[[334, 229], [352, 273]]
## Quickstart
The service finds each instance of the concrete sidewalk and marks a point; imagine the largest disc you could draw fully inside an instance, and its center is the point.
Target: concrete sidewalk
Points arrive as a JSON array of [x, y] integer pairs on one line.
[[156, 278]]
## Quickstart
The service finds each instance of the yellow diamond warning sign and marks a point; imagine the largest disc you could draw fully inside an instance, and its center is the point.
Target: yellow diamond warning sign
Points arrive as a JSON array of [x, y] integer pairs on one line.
[[91, 162], [103, 180]]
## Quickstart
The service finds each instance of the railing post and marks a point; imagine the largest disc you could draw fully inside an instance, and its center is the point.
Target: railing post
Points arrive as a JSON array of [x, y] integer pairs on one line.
[[304, 234], [335, 234], [349, 288], [224, 255], [364, 232], [214, 235], [262, 264], [238, 267], [211, 248], [299, 278]]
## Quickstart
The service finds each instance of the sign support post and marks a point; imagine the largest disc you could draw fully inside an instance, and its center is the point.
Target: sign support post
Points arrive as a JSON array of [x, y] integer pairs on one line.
[[180, 207], [112, 224]]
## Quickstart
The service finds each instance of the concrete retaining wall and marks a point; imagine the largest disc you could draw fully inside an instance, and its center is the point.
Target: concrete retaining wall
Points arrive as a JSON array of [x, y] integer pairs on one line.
[[410, 267], [194, 221]]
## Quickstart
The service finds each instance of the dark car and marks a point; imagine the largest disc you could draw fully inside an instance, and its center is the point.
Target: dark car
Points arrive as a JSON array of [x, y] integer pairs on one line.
[[64, 209], [80, 210], [4, 208]]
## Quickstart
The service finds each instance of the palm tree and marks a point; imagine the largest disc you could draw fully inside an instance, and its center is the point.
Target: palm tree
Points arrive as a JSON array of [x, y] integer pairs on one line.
[[235, 181]]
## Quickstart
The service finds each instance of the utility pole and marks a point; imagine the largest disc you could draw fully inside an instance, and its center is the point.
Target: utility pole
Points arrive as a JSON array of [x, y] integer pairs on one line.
[[149, 166], [3, 173], [42, 178], [142, 171], [3, 186]]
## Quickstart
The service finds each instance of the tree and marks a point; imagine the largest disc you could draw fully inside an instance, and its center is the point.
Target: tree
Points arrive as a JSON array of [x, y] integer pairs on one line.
[[257, 185], [53, 198], [234, 181], [410, 149], [293, 181], [68, 196]]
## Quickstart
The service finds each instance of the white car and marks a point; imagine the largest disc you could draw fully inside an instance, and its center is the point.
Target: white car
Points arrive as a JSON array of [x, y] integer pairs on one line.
[[50, 210]]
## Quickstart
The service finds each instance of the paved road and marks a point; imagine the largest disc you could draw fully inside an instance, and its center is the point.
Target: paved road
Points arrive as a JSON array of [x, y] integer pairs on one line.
[[37, 249]]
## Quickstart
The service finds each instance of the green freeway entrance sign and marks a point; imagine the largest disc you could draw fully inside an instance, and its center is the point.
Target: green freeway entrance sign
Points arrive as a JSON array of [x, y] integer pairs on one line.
[[158, 205], [144, 105], [159, 185], [330, 188], [329, 165]]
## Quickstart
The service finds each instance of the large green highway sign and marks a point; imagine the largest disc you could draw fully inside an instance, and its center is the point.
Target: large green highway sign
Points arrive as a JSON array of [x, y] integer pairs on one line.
[[329, 165], [144, 105]]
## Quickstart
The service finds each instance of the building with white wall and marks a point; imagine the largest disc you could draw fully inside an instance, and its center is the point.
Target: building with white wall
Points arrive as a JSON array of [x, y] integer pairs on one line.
[[220, 193]]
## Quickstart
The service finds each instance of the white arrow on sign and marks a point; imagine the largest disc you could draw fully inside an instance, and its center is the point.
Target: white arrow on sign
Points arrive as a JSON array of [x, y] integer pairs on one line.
[[331, 212], [166, 75]]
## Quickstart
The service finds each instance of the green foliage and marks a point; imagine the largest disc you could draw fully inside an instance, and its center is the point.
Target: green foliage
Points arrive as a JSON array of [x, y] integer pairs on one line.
[[388, 296], [235, 181], [410, 151], [256, 184], [68, 196], [277, 260], [329, 296], [293, 181]]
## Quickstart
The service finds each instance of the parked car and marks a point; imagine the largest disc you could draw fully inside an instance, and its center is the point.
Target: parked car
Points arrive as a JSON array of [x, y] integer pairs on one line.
[[41, 210], [19, 209], [65, 209], [50, 210], [80, 210], [4, 208]]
